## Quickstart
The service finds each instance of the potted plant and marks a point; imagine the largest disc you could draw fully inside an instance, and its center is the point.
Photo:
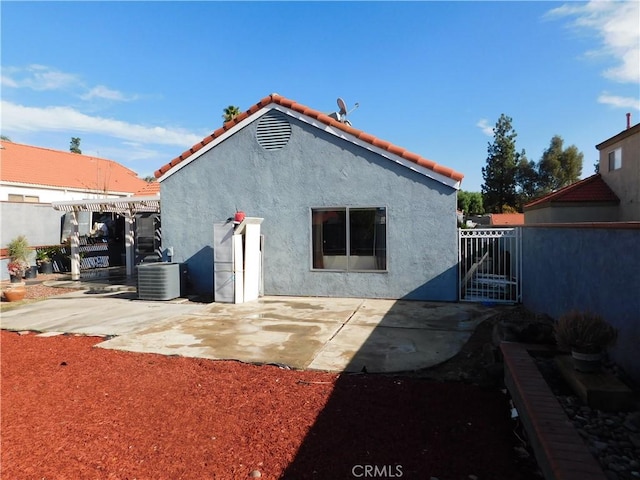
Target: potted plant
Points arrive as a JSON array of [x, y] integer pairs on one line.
[[586, 335], [16, 290], [43, 260], [16, 270]]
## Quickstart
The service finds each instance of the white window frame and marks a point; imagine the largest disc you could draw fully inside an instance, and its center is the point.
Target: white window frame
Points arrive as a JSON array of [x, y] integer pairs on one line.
[[348, 238], [617, 159]]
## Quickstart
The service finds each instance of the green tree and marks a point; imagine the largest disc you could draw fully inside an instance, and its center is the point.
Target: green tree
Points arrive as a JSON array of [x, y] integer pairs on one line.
[[4, 138], [476, 206], [463, 200], [74, 146], [230, 113], [499, 174], [150, 179], [558, 166], [526, 181], [470, 202]]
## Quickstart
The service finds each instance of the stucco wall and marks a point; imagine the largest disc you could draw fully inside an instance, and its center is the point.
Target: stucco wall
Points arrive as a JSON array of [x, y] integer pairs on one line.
[[558, 213], [625, 181], [40, 223], [315, 169], [596, 269]]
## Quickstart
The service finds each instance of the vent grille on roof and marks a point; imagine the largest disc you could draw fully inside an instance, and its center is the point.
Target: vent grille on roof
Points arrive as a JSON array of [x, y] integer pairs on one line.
[[274, 130]]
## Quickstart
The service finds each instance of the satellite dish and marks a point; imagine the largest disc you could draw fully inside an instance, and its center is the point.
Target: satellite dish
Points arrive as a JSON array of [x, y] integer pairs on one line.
[[342, 106], [342, 114]]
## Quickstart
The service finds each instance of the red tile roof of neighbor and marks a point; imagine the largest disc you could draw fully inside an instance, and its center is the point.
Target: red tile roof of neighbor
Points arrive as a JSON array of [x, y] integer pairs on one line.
[[324, 118], [150, 189], [590, 189], [54, 168], [507, 219]]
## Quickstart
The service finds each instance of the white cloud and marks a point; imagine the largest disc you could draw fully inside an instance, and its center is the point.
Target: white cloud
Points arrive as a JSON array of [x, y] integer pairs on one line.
[[616, 24], [22, 118], [620, 102], [38, 77], [103, 92], [8, 82], [487, 129], [41, 77]]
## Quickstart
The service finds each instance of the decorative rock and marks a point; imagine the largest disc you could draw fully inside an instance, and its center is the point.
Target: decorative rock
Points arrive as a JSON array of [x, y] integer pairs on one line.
[[255, 474], [632, 422], [600, 445], [616, 467], [611, 475], [612, 437]]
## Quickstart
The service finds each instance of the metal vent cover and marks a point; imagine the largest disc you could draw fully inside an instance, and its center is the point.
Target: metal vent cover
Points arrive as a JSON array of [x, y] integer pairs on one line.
[[274, 130]]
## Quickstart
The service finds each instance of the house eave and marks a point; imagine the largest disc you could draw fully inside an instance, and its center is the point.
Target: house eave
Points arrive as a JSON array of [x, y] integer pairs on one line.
[[65, 189]]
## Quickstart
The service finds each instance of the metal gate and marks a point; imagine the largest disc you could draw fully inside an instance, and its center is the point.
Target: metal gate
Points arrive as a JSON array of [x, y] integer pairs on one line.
[[489, 265]]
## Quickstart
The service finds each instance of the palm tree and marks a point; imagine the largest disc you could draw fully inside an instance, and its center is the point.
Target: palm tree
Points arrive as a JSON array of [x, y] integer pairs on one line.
[[230, 113]]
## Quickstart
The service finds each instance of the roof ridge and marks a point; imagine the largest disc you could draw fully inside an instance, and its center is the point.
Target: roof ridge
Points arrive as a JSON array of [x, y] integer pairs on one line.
[[63, 152], [324, 118], [562, 192]]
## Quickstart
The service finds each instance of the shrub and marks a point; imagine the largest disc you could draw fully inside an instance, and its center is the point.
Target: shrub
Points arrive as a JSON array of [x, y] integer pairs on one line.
[[18, 248], [584, 332]]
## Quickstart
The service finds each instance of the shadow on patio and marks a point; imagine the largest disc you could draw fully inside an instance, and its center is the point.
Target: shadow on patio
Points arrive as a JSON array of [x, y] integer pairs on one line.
[[405, 425]]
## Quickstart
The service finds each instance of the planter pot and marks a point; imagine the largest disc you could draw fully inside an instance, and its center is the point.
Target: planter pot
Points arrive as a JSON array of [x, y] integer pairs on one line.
[[16, 278], [32, 272], [15, 293], [586, 362], [46, 268]]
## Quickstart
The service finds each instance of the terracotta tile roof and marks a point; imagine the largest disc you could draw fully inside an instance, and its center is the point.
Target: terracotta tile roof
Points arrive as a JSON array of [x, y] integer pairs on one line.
[[590, 189], [507, 219], [45, 167], [151, 188], [324, 118]]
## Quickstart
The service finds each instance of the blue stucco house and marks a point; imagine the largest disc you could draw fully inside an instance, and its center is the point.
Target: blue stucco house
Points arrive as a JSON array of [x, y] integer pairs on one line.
[[345, 214]]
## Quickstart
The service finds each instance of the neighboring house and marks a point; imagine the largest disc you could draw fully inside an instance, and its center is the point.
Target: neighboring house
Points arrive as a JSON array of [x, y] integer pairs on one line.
[[612, 195], [41, 175], [589, 200], [345, 214], [33, 177], [150, 188], [620, 169], [506, 219]]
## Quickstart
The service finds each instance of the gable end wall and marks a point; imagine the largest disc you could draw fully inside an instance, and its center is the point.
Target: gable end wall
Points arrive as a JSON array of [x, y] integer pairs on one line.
[[315, 169]]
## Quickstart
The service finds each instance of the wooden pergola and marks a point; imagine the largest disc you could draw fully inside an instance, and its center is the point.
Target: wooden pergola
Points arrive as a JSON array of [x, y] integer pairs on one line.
[[127, 206]]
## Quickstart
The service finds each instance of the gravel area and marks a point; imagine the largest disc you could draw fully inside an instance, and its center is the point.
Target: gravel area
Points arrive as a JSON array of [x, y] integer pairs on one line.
[[36, 290], [612, 437]]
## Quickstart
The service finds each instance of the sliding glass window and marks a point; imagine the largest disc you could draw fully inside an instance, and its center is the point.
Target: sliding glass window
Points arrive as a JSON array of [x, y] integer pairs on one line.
[[350, 239]]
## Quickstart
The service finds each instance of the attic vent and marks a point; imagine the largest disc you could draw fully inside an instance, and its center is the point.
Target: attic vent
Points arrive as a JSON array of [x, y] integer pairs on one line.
[[274, 130]]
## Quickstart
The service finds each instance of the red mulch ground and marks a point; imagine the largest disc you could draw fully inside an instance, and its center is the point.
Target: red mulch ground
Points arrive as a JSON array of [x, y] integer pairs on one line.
[[70, 411]]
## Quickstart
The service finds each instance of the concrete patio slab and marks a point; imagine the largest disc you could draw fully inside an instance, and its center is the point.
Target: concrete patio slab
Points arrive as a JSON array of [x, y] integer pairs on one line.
[[358, 348], [412, 314], [286, 308], [112, 313], [286, 341], [333, 334]]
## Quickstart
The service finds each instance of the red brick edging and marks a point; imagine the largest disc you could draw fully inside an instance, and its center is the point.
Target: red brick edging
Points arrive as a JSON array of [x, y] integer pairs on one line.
[[560, 451]]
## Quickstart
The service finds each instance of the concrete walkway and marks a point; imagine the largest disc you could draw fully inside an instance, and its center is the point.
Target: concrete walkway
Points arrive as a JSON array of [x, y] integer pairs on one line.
[[333, 334]]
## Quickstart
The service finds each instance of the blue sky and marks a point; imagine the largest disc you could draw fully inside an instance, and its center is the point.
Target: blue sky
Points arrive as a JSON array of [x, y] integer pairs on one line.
[[140, 82]]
